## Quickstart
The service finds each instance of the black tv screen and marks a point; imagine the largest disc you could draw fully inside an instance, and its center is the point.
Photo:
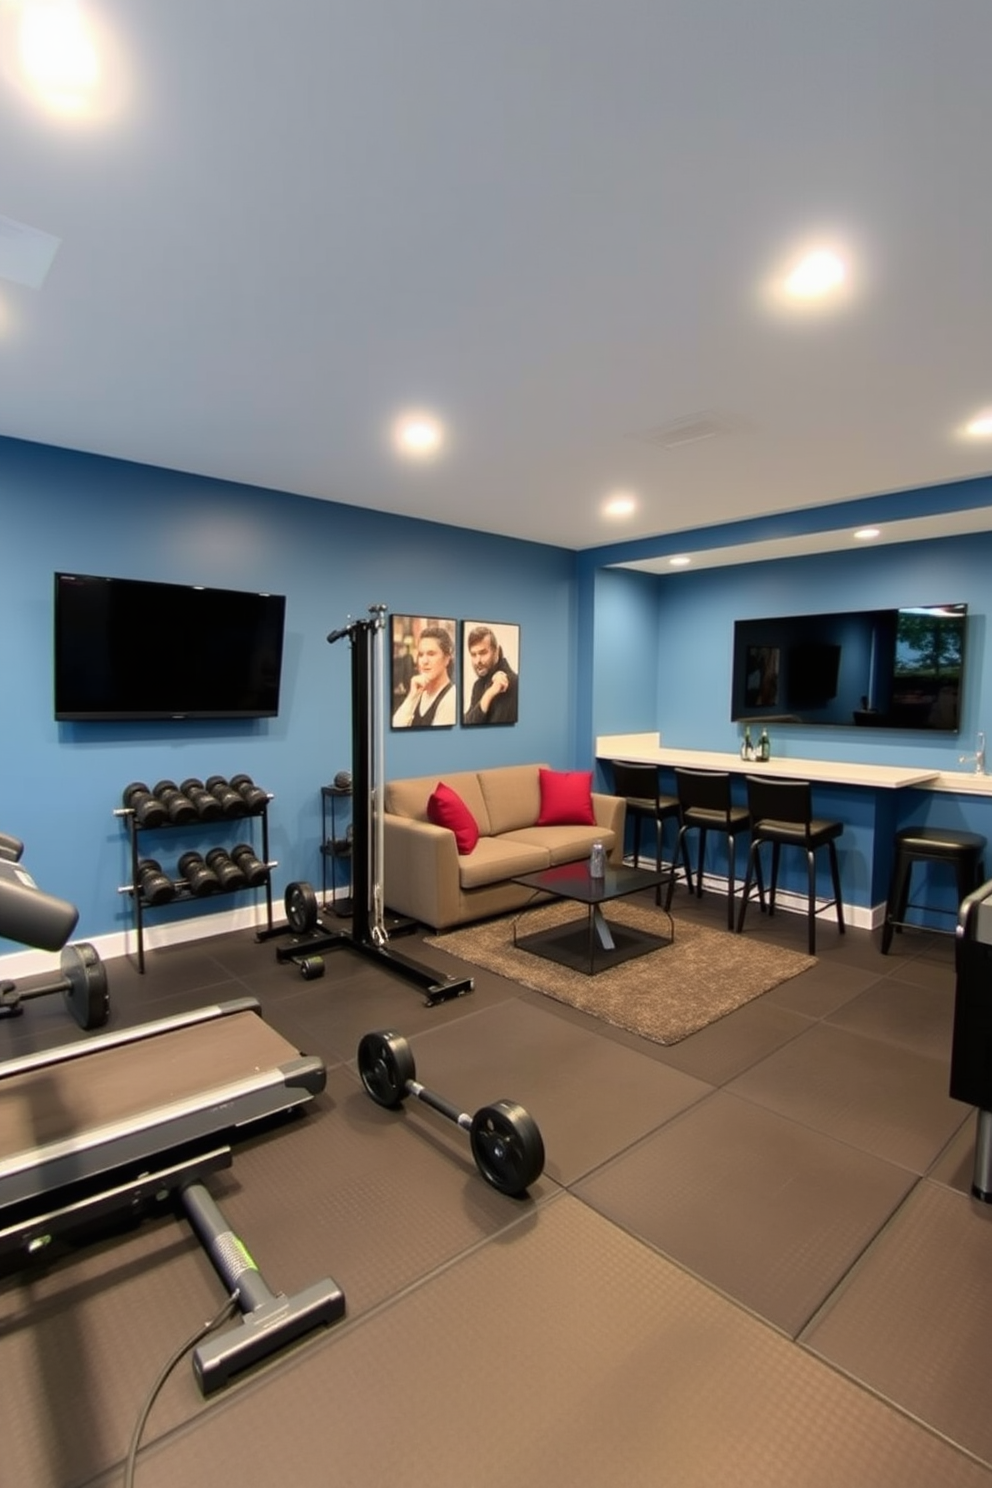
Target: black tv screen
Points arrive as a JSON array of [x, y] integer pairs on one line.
[[133, 649], [896, 669]]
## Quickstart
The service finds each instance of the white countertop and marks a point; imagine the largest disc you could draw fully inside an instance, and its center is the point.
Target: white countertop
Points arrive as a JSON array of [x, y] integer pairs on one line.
[[646, 748]]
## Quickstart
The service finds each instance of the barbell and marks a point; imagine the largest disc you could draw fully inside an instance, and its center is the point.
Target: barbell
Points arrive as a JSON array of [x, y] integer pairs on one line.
[[506, 1142]]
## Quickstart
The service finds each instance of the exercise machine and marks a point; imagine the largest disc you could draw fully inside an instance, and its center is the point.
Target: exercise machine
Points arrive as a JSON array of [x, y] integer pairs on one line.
[[971, 1043], [127, 1121], [368, 933], [45, 922]]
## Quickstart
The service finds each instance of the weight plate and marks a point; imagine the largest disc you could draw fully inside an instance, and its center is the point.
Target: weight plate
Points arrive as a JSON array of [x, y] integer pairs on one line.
[[507, 1147], [301, 907], [386, 1063], [86, 995]]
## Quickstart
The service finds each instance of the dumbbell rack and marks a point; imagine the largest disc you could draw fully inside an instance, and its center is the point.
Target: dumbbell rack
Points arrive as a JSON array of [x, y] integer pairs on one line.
[[184, 894]]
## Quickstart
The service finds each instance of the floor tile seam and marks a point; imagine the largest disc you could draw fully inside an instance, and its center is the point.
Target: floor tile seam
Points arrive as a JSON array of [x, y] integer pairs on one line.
[[819, 1131], [639, 1140], [900, 1410], [857, 1261], [871, 1038]]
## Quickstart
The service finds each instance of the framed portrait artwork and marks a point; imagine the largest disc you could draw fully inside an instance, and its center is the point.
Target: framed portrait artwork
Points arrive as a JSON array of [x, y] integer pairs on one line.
[[490, 673], [423, 672]]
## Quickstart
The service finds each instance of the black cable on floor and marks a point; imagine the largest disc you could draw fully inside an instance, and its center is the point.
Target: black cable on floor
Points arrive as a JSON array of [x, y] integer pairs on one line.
[[229, 1308]]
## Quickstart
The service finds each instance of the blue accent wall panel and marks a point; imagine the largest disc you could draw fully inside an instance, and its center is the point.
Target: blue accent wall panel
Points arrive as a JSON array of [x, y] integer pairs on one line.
[[60, 782]]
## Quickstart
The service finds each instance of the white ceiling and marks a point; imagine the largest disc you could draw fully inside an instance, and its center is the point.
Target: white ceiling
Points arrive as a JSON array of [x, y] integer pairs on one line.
[[552, 222]]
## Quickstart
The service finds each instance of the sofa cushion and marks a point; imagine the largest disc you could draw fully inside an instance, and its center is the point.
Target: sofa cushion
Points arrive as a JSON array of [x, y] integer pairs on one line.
[[445, 808], [512, 796], [563, 844], [498, 858], [566, 798], [409, 797]]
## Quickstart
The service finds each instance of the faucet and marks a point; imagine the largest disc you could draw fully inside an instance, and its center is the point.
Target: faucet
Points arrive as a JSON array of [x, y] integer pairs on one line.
[[978, 758]]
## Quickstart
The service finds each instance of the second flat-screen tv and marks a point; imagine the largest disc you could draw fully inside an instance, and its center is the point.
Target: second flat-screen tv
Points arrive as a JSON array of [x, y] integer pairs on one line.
[[136, 649], [896, 669]]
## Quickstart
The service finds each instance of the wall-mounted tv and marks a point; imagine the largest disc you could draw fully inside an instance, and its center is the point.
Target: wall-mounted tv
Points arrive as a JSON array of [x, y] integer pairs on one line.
[[133, 649], [894, 669]]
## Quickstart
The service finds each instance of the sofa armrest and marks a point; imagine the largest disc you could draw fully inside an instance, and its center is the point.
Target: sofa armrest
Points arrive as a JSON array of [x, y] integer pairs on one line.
[[611, 812], [420, 872]]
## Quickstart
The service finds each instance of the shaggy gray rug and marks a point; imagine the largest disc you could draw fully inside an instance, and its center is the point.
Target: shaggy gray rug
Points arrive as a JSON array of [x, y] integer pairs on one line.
[[664, 995]]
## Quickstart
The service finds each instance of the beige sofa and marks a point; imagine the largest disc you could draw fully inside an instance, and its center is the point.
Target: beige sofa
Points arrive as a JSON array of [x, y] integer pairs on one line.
[[425, 878]]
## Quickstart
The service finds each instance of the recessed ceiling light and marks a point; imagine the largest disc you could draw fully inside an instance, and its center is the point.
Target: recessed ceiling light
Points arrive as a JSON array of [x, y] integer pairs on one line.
[[865, 534], [57, 53], [980, 427], [815, 275], [620, 504], [418, 435], [681, 560]]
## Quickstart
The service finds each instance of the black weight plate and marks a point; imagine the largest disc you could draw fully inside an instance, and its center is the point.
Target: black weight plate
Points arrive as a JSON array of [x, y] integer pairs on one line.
[[86, 995], [507, 1147], [386, 1063], [301, 907]]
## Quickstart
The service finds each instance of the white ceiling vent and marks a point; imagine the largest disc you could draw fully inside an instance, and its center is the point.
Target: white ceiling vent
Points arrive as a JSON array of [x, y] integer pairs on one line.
[[26, 253]]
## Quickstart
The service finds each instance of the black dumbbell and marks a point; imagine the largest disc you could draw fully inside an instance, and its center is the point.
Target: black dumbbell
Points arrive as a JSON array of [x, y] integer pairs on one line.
[[251, 866], [254, 797], [201, 879], [207, 805], [155, 886], [506, 1142], [230, 875], [178, 808], [231, 804], [148, 811]]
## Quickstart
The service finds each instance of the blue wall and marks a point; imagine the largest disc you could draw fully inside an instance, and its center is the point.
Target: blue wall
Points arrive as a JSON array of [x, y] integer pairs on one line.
[[60, 783], [602, 651]]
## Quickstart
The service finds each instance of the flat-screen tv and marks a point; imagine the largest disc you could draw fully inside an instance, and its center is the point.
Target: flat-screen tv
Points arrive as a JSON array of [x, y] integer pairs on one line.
[[895, 669], [132, 649]]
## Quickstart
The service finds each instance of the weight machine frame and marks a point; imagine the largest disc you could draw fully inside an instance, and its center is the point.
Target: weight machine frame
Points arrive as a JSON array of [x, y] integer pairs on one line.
[[368, 933]]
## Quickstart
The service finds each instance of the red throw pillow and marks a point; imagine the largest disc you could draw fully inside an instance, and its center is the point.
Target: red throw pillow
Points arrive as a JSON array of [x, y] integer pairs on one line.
[[447, 809], [566, 799]]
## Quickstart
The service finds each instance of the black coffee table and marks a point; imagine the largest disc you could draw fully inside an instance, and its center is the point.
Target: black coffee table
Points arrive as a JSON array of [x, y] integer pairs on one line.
[[592, 944]]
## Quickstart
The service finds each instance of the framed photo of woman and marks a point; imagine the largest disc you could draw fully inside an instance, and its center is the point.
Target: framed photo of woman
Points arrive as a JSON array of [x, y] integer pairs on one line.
[[423, 672], [490, 672]]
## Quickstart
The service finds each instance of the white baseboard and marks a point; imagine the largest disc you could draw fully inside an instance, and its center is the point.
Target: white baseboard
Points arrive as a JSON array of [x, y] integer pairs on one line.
[[125, 942], [861, 916]]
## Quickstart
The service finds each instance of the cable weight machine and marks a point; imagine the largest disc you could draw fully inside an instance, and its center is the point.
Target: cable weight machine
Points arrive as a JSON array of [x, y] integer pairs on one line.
[[368, 932]]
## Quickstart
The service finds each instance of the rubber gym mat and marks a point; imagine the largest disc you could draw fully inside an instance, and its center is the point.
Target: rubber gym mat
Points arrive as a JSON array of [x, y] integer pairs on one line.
[[564, 1352]]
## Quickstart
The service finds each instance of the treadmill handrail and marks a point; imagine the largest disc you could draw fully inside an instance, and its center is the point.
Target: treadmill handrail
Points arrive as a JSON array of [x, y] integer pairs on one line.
[[138, 1031], [99, 1137]]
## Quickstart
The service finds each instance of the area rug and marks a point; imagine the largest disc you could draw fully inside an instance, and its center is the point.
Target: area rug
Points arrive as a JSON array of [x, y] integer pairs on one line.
[[663, 996]]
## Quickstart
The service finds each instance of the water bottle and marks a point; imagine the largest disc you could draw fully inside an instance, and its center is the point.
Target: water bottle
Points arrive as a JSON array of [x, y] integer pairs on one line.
[[597, 861], [764, 747], [747, 748]]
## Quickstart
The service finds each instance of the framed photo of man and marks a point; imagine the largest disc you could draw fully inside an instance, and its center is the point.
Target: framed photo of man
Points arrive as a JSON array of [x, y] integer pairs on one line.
[[490, 672], [423, 672]]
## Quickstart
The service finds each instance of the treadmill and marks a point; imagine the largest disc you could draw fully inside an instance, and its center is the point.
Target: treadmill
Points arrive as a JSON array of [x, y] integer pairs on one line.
[[141, 1116]]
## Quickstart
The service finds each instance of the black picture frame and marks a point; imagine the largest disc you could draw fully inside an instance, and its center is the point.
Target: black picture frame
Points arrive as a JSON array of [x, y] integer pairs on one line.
[[411, 707], [496, 705]]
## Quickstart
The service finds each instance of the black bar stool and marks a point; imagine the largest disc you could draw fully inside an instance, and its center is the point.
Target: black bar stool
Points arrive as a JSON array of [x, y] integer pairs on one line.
[[782, 814], [962, 851], [705, 804], [638, 785]]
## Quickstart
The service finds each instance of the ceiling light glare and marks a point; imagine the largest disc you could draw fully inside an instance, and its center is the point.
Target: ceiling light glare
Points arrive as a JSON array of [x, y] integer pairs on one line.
[[817, 274], [621, 504], [681, 560], [57, 54], [865, 534], [981, 426], [419, 436]]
